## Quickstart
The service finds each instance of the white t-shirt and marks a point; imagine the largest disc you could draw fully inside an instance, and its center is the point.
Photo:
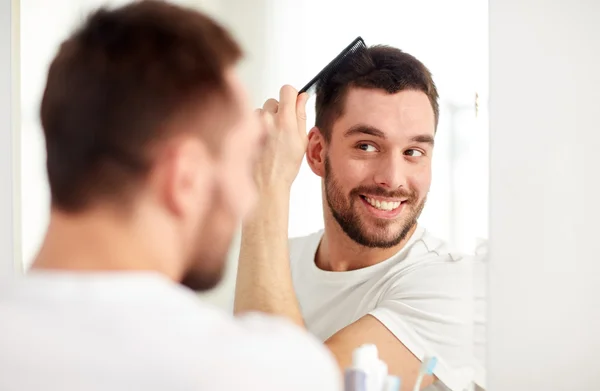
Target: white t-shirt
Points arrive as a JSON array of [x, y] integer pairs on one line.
[[423, 294], [139, 331]]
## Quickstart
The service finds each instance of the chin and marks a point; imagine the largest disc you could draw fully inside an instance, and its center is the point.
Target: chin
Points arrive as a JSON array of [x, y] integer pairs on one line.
[[392, 226], [381, 239], [381, 233], [203, 280]]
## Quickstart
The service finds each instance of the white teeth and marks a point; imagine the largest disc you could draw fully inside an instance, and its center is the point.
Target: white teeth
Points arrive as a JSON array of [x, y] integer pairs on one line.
[[383, 205]]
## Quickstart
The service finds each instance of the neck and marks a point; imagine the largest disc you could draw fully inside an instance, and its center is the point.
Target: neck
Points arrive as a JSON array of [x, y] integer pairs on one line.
[[101, 240], [337, 252]]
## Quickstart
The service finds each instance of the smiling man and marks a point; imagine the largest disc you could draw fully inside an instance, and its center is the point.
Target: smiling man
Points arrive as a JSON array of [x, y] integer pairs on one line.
[[373, 275]]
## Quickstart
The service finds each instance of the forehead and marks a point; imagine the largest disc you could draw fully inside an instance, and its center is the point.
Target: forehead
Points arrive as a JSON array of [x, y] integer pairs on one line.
[[406, 112]]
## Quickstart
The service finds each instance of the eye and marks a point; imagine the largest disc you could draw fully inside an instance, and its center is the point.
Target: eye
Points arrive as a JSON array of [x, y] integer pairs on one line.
[[366, 147], [413, 153]]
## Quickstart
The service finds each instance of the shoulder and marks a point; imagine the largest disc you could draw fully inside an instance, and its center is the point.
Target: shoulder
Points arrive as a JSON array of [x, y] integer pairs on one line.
[[306, 240], [302, 246], [282, 352], [259, 351], [434, 275], [430, 256], [429, 244], [427, 294]]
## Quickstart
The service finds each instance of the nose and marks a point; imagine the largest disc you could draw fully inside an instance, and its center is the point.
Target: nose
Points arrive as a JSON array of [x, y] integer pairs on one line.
[[391, 173]]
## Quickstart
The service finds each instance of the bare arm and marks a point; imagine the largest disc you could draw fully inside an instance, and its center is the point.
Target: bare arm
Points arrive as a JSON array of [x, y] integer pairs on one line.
[[264, 279], [368, 330]]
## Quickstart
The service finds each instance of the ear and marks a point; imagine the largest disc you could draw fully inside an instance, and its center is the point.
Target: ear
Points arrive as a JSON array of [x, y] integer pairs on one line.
[[186, 183], [316, 151]]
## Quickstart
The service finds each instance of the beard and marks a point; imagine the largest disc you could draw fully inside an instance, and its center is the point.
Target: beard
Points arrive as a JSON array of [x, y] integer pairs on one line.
[[208, 259], [379, 233]]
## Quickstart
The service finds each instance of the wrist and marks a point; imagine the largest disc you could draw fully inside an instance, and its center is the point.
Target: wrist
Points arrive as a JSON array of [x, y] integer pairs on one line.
[[272, 203], [274, 192]]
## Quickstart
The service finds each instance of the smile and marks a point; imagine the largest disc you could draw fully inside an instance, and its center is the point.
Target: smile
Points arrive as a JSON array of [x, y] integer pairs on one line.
[[384, 205]]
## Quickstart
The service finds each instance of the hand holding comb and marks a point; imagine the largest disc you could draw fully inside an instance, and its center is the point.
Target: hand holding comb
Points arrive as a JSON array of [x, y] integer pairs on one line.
[[356, 45]]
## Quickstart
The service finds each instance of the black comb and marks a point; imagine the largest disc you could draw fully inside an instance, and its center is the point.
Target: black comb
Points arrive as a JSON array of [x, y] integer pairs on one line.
[[357, 44]]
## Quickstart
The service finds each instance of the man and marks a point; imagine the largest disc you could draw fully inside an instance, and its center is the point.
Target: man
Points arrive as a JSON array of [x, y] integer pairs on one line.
[[150, 147], [374, 275]]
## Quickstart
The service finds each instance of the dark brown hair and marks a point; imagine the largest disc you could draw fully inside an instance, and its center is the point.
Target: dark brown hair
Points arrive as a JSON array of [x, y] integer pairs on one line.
[[115, 86], [378, 67]]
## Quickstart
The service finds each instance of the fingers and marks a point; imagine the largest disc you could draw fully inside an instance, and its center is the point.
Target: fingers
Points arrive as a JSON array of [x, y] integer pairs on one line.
[[260, 118], [287, 100], [271, 106], [290, 109], [301, 112], [268, 122]]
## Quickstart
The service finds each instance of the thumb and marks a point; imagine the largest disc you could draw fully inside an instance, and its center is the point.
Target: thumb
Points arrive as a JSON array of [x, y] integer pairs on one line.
[[301, 112]]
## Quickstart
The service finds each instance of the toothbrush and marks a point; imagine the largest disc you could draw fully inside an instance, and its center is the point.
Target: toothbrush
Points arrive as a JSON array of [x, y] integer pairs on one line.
[[427, 367]]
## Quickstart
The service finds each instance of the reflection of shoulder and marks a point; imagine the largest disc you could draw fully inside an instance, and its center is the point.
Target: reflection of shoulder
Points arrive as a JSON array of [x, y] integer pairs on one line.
[[272, 353], [436, 247], [283, 353], [430, 260], [302, 246], [299, 241]]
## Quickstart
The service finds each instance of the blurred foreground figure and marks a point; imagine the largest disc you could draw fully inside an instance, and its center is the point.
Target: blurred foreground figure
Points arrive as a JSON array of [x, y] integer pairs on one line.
[[151, 145]]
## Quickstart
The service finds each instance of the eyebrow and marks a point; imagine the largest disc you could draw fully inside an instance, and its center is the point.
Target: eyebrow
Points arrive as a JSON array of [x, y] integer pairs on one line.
[[364, 129], [423, 139], [373, 131]]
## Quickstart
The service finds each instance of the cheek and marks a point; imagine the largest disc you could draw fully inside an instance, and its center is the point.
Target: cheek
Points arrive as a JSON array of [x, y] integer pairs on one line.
[[350, 173], [237, 186], [420, 180], [237, 182]]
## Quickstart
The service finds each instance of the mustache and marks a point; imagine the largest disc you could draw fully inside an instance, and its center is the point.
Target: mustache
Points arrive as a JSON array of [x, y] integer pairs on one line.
[[409, 195]]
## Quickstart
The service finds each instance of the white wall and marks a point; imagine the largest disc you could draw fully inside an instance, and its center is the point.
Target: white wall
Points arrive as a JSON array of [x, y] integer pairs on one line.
[[544, 280], [9, 139]]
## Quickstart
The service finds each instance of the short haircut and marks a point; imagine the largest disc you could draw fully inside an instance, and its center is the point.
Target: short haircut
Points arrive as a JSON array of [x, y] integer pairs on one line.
[[114, 87], [377, 67]]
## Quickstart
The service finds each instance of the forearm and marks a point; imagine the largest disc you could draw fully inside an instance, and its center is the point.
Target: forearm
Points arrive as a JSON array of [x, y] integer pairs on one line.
[[264, 280]]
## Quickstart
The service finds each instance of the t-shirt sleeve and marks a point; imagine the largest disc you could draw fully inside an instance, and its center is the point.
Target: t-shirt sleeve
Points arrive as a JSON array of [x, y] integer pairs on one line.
[[286, 357], [430, 310]]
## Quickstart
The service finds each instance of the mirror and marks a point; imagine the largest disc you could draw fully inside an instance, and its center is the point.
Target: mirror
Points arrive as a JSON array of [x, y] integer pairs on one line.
[[288, 42]]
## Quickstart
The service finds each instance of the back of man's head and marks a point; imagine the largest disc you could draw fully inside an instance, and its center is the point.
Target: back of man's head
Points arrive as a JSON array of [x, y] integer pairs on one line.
[[116, 88], [377, 67]]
